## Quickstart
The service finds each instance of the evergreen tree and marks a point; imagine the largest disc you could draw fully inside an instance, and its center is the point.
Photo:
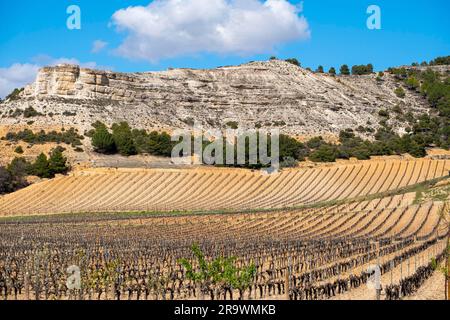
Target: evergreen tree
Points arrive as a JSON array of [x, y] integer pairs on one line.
[[103, 141], [41, 167], [319, 69], [294, 61], [332, 71], [345, 70], [57, 162], [123, 139]]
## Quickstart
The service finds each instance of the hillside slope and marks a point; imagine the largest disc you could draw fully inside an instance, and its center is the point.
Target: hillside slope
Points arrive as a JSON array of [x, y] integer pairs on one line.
[[267, 94]]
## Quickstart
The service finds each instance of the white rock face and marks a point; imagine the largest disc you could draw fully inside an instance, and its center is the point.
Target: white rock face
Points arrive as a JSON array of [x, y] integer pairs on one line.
[[266, 94]]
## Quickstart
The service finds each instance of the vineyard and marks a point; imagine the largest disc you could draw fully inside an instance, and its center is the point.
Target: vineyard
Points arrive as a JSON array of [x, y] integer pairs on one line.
[[306, 234], [215, 189]]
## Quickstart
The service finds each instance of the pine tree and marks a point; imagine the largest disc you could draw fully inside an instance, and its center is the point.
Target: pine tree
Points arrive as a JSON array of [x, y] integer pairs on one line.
[[103, 141], [41, 167], [332, 71], [123, 139], [57, 162], [345, 70]]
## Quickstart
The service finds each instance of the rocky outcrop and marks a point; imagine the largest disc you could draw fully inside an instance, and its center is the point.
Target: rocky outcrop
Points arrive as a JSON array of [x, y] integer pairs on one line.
[[262, 94]]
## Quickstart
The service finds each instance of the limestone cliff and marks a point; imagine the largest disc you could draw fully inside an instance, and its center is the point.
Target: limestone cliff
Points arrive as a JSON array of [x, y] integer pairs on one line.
[[266, 94]]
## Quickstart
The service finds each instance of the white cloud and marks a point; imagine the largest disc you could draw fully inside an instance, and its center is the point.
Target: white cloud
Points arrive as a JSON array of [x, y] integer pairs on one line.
[[16, 76], [169, 28], [19, 75], [98, 46]]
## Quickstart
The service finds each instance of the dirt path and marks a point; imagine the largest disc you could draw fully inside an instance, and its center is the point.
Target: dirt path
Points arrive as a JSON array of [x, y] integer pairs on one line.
[[432, 289]]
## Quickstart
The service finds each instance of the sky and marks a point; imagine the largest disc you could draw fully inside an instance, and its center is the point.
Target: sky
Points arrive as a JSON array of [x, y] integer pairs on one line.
[[145, 35]]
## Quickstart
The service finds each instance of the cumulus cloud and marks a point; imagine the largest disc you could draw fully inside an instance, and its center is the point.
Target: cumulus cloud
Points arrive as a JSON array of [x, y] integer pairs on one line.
[[169, 28], [19, 75], [16, 76], [98, 46]]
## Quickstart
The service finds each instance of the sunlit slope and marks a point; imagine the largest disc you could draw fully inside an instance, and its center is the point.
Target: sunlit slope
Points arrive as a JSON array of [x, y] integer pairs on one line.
[[383, 218], [215, 189]]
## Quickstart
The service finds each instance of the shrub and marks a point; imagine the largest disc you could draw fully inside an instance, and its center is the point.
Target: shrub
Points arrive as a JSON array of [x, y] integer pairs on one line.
[[440, 61], [315, 142], [6, 181], [30, 112], [123, 139], [14, 95], [399, 92], [412, 83], [397, 109], [18, 150], [362, 69], [68, 137], [232, 124], [325, 153], [383, 113], [294, 61], [292, 148], [332, 71], [319, 69], [288, 162]]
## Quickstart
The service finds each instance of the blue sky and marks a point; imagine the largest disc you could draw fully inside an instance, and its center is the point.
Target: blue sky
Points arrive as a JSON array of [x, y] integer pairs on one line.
[[34, 33]]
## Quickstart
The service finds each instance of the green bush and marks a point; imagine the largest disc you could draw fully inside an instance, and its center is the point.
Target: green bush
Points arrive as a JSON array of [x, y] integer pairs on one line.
[[68, 137], [30, 112], [44, 167], [412, 83], [14, 95], [123, 139], [325, 153], [315, 142], [440, 61], [18, 150], [362, 69], [399, 92], [294, 61], [383, 113], [232, 124], [288, 162]]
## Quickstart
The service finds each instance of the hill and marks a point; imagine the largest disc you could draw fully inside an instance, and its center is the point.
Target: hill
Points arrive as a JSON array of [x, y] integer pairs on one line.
[[263, 94]]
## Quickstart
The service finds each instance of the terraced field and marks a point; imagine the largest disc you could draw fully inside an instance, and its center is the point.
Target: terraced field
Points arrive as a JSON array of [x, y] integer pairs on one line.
[[383, 218], [215, 189]]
